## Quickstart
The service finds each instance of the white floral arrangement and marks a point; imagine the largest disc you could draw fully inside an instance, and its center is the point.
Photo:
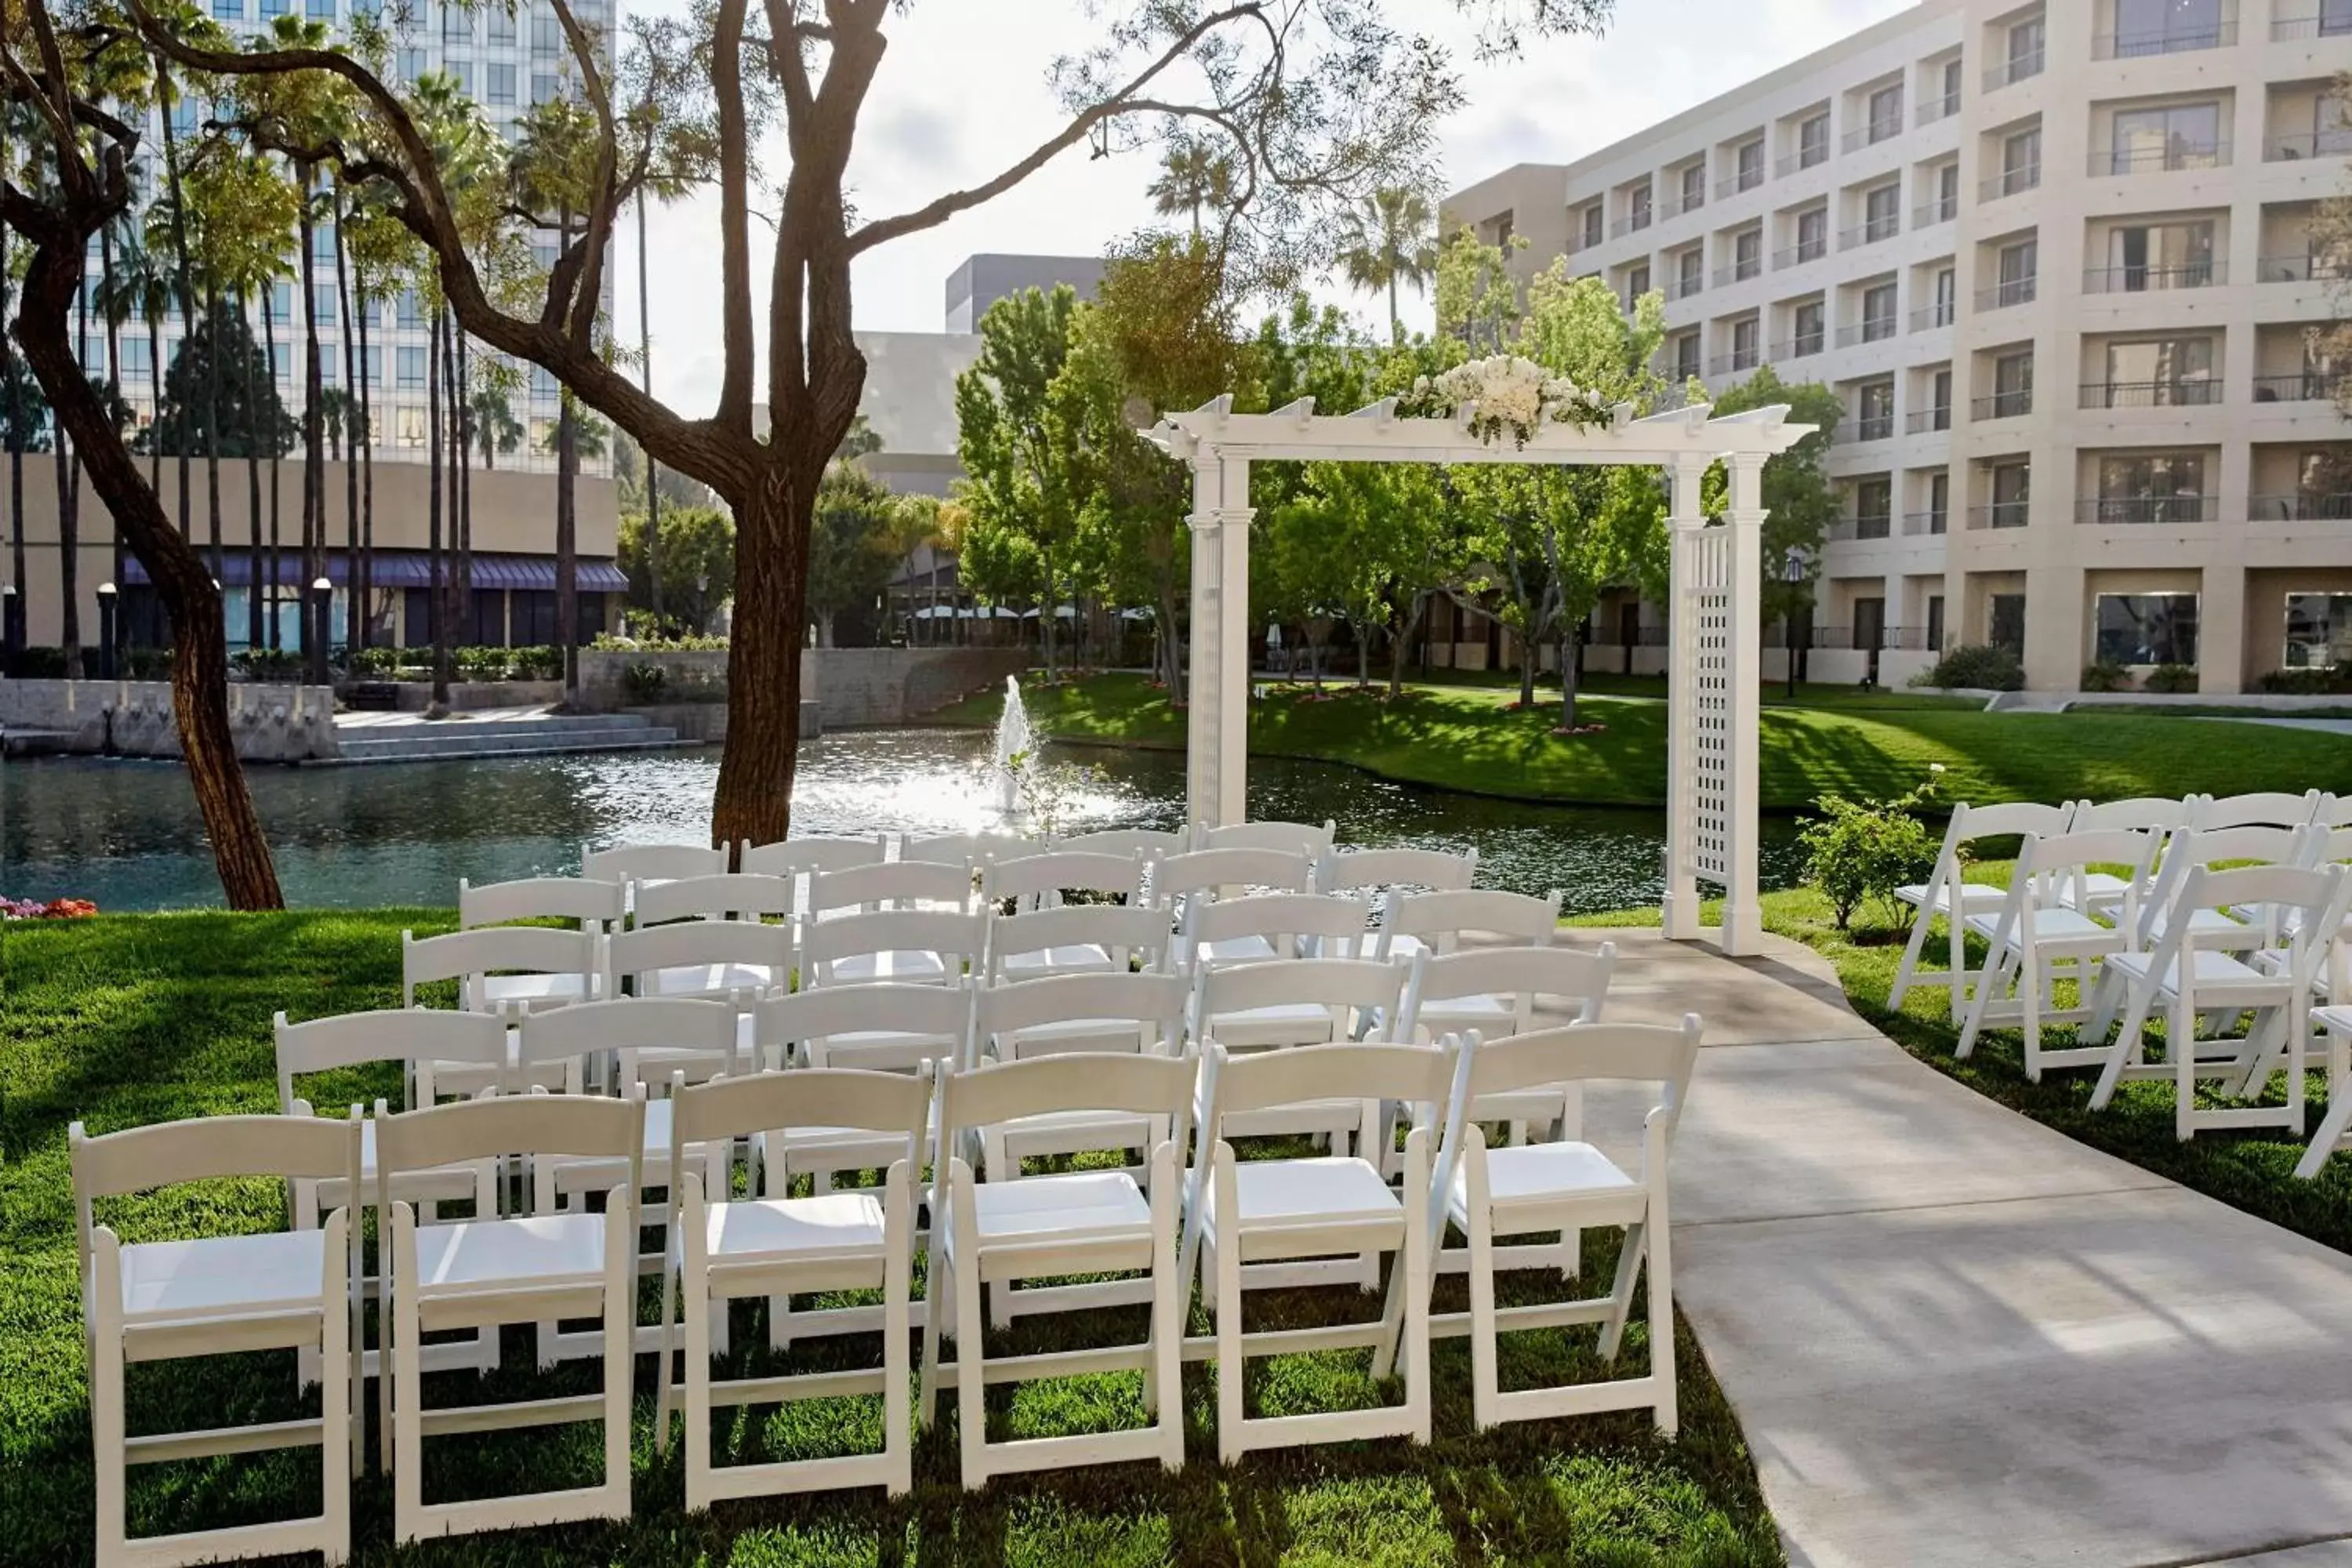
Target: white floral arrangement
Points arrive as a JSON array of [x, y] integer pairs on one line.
[[1509, 394]]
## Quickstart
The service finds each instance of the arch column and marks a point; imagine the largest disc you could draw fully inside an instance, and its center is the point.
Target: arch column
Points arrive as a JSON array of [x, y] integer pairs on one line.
[[1743, 915], [1216, 773], [1685, 521]]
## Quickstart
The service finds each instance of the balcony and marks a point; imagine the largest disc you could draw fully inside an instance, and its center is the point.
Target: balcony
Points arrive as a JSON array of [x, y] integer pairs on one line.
[[1926, 215], [1869, 427], [2164, 41], [1926, 421], [1919, 524], [2171, 158], [2009, 183], [1934, 109], [1802, 251], [2303, 268], [2150, 394], [2286, 29], [1731, 363], [2012, 71], [1683, 288], [1630, 224], [1999, 514], [1672, 207], [2125, 511], [1875, 525], [2302, 386], [2012, 404], [2302, 506], [1871, 135], [2151, 279], [1886, 226], [1745, 180], [1804, 345], [1926, 317], [1802, 158], [1739, 271], [1869, 330], [2000, 296], [2286, 149]]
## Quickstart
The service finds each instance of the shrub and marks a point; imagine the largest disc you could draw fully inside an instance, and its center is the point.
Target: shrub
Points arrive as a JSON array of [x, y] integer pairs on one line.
[[2102, 676], [1857, 852], [270, 664], [541, 662], [2307, 682], [644, 682], [147, 663], [42, 663], [375, 663], [481, 663], [2171, 679], [687, 643], [1984, 665]]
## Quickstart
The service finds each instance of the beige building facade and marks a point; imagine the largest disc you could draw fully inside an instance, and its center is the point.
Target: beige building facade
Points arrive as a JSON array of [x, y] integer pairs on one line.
[[2055, 261]]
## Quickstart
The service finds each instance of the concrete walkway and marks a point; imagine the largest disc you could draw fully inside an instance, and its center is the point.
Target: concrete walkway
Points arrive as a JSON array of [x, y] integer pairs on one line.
[[1956, 1337], [2324, 726]]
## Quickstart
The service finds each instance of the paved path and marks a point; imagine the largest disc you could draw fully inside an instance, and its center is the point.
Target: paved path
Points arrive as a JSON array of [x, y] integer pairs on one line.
[[1956, 1338], [2325, 726]]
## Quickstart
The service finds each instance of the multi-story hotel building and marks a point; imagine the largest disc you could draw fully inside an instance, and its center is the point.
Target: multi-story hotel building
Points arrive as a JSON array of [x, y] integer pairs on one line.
[[2057, 262]]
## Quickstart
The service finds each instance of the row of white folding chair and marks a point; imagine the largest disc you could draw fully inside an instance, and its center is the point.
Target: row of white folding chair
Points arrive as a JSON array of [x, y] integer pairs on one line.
[[2334, 1134]]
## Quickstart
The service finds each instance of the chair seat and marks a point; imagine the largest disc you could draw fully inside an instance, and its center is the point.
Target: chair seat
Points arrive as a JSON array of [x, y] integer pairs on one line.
[[2335, 1020], [222, 1276], [1283, 1024], [2210, 972], [532, 990], [1481, 1013], [1368, 946], [1234, 950], [1079, 1206], [887, 1050], [830, 1225], [2208, 923], [1087, 958], [2050, 925], [912, 967], [704, 979], [1078, 1034], [1973, 896], [1274, 1195], [1539, 1172], [499, 1254]]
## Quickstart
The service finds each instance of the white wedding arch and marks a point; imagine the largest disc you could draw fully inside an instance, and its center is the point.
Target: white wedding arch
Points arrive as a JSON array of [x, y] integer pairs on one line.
[[1717, 577]]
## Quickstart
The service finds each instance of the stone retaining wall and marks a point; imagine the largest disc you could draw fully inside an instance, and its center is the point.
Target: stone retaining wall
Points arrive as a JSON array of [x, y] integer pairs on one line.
[[134, 718], [849, 687]]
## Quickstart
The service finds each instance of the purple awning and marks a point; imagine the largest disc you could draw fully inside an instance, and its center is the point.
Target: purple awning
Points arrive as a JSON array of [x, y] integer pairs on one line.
[[412, 569]]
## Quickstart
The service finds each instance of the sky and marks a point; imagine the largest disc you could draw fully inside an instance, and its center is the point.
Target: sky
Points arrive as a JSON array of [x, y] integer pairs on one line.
[[962, 93]]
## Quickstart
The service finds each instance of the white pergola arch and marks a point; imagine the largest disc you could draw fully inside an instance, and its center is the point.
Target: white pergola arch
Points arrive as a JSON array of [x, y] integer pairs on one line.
[[1715, 606]]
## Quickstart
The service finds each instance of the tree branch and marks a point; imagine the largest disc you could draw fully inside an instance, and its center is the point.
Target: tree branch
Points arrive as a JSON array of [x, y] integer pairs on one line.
[[734, 219]]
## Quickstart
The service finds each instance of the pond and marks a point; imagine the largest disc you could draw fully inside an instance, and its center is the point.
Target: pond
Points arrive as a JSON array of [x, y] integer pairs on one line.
[[126, 835]]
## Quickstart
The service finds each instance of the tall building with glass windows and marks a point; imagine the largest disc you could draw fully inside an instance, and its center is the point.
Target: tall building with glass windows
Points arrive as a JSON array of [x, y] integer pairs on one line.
[[2056, 261]]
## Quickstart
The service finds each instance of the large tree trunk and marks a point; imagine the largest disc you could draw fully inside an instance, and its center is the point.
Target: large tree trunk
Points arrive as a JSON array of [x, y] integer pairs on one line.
[[1571, 642], [200, 671], [437, 595], [1526, 645], [753, 803], [18, 605], [567, 545], [113, 401]]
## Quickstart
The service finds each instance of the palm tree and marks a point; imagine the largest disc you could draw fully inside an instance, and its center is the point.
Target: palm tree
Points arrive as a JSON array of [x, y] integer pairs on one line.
[[13, 414], [1193, 175], [1389, 239], [496, 431]]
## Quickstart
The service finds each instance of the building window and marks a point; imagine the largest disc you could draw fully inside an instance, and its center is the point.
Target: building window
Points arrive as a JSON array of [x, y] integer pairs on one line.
[[1805, 324], [1686, 361], [2146, 628], [1745, 343], [1812, 233], [1813, 142], [1690, 267], [546, 33], [542, 88], [2015, 272], [228, 10], [2180, 136], [543, 434], [2318, 631], [2005, 622], [319, 10], [273, 10], [411, 426], [2021, 163], [1694, 183], [2151, 487], [1873, 503], [1881, 212], [1874, 421], [1948, 295], [1936, 616], [2165, 27], [542, 381], [2012, 385], [1638, 207], [1939, 511], [2023, 50], [411, 369], [1592, 222], [2157, 256], [502, 25], [372, 364], [326, 310], [457, 25], [2158, 374], [411, 310], [1751, 158], [2013, 494], [279, 303], [1885, 115], [462, 73], [410, 64], [501, 84], [1878, 313]]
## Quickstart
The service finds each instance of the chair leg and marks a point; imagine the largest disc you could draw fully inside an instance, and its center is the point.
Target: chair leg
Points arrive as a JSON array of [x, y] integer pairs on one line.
[[1164, 1385], [2032, 980], [1621, 1290], [407, 1413], [1414, 1263], [106, 1402], [2180, 1042], [1661, 1314], [897, 1219], [694, 1291], [938, 1287], [1993, 978], [486, 1206], [620, 1343], [1228, 1274], [1909, 968], [335, 1391], [972, 1331]]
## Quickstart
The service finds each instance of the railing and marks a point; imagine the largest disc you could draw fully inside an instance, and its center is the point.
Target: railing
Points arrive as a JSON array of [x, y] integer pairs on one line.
[[2016, 292], [1871, 233], [1829, 636], [1625, 298], [1944, 209], [1928, 317], [2002, 404], [1802, 158], [1918, 524], [2305, 387], [1732, 185], [1683, 288], [1802, 251], [1625, 226], [1868, 428], [1674, 207], [2104, 510], [2172, 157], [2333, 143], [2302, 270], [2009, 183], [1911, 640], [1739, 271], [1877, 525], [1871, 135], [1869, 330], [1804, 345], [2150, 279], [2015, 71], [1926, 421], [2174, 393], [2164, 41], [1737, 360], [2321, 25], [1934, 108], [1999, 514], [2302, 506]]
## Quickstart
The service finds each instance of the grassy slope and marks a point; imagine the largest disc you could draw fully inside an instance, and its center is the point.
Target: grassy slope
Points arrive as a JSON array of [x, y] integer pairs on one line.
[[131, 1019], [1470, 737]]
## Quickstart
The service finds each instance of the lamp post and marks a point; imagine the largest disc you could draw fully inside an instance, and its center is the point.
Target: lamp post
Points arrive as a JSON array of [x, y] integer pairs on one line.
[[12, 627], [322, 599], [106, 622], [1792, 572]]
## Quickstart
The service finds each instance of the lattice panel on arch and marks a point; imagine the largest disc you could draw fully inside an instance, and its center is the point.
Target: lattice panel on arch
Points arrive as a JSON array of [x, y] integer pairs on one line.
[[1711, 695]]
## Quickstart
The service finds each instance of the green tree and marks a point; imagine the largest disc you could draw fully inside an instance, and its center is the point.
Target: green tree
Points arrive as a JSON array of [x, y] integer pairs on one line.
[[1800, 502], [1194, 175], [247, 419], [496, 429], [1024, 488], [1476, 301], [692, 550], [860, 538], [1387, 240]]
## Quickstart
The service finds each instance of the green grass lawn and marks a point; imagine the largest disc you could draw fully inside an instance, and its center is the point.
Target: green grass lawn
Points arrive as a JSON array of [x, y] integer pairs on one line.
[[124, 1020], [1472, 738]]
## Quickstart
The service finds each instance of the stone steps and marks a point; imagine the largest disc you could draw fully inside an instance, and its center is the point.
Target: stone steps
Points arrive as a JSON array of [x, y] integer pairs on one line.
[[458, 738]]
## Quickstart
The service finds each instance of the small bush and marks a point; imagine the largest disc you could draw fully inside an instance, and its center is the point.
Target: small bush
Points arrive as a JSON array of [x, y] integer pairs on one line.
[[1857, 852], [684, 642], [2171, 679], [541, 662], [147, 663], [2102, 676], [42, 663], [270, 664], [481, 663], [375, 663], [1983, 666], [2307, 682], [644, 682]]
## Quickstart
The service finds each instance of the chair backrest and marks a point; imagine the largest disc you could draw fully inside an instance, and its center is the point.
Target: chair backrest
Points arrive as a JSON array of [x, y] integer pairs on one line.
[[792, 856], [684, 944], [1337, 983], [899, 884], [1204, 870], [733, 1108], [2162, 813], [464, 956], [2333, 811], [1034, 876], [1001, 1012], [2301, 906], [2260, 808], [727, 895], [1302, 838], [1151, 843], [2047, 867], [798, 1027], [584, 1126], [1438, 869], [1440, 919], [967, 848], [2323, 845], [1330, 919], [628, 1027], [1239, 1083], [956, 936], [593, 904], [1578, 982], [403, 1035], [204, 1149], [991, 1092], [651, 862], [1123, 931]]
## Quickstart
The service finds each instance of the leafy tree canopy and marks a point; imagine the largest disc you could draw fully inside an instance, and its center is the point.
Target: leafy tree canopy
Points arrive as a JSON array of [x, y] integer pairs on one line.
[[239, 416], [1800, 501], [695, 552]]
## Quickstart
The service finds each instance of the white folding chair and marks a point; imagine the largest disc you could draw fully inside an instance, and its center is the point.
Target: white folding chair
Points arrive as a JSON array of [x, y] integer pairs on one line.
[[1439, 921], [1295, 1002], [1150, 843], [2210, 927], [897, 885], [1201, 873], [1038, 881], [596, 906], [1257, 927], [2034, 940], [924, 947], [1947, 889], [2334, 1133], [1300, 838], [967, 848], [1077, 938], [700, 959], [727, 895], [1309, 1221], [2260, 808], [723, 1248], [1386, 870], [1055, 1227], [2334, 811], [218, 1295], [481, 1273], [1570, 1186], [798, 859], [504, 967], [2202, 990], [628, 863]]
